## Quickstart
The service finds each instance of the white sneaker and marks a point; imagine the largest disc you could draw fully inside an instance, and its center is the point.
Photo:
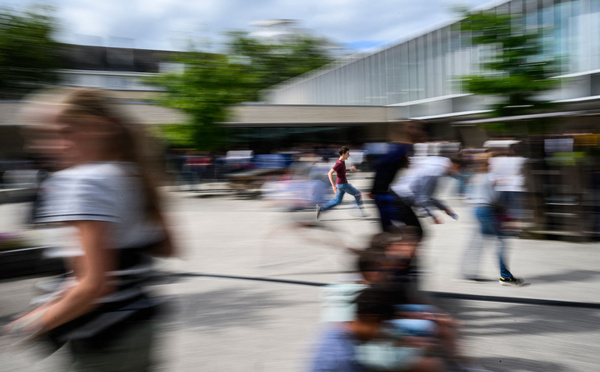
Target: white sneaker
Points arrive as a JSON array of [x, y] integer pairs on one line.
[[512, 282]]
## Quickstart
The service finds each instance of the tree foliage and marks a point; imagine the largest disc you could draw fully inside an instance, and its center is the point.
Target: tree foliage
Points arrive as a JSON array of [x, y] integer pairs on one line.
[[211, 82], [516, 69], [272, 63], [28, 54]]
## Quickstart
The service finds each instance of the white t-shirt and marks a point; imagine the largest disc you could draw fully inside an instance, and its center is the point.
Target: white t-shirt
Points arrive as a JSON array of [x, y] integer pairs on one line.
[[507, 171], [100, 191], [110, 192], [337, 301]]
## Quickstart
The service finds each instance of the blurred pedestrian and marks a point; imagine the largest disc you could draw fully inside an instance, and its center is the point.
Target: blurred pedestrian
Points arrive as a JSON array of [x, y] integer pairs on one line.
[[341, 185], [488, 211], [416, 189], [402, 136], [104, 191], [510, 185], [340, 346]]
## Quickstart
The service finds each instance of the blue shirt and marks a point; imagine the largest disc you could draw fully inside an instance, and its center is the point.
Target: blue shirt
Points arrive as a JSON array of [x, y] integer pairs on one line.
[[336, 352]]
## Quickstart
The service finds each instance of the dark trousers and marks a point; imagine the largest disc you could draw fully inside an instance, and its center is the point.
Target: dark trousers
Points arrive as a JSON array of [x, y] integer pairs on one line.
[[386, 204], [406, 215]]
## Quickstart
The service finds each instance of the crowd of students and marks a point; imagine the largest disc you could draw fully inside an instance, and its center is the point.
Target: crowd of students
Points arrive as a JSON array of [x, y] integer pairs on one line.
[[381, 321], [103, 190]]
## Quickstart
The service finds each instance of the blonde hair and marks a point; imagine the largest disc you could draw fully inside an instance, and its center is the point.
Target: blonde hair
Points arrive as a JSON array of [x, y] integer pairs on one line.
[[130, 142]]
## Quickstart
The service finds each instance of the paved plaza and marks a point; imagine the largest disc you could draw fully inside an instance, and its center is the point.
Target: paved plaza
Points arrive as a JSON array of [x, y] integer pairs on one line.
[[244, 294]]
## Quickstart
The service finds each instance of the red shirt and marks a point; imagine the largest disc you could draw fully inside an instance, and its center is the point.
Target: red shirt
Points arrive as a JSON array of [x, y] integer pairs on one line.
[[340, 170]]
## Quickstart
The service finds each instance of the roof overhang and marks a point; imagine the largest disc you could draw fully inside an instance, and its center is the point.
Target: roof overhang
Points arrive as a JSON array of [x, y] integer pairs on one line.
[[529, 117], [265, 115]]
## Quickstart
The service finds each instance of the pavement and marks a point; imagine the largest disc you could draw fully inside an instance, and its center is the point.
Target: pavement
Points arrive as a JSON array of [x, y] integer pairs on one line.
[[244, 294]]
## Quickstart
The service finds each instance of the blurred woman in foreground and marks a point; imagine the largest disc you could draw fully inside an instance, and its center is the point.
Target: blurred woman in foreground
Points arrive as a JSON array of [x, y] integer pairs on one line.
[[104, 192]]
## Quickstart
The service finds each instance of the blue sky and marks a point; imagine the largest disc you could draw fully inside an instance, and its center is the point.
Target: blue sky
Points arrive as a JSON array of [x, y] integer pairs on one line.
[[169, 24]]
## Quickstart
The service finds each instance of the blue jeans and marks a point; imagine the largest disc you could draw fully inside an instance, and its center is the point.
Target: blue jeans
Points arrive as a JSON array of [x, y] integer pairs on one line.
[[463, 182], [386, 203], [490, 226], [513, 202], [342, 189]]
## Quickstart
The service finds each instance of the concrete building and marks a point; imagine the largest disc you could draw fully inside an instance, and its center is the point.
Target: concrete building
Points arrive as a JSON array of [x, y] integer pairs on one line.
[[120, 70], [418, 77]]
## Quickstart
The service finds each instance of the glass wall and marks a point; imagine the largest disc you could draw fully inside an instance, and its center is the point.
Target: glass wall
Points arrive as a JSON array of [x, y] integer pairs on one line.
[[430, 65]]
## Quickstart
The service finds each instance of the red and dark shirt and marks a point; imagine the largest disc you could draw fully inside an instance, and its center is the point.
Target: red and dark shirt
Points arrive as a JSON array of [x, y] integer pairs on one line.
[[340, 170]]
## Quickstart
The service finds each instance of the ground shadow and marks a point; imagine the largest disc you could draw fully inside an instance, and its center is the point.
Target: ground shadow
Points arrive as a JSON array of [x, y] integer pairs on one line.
[[564, 335], [223, 308], [569, 276], [498, 319], [521, 365]]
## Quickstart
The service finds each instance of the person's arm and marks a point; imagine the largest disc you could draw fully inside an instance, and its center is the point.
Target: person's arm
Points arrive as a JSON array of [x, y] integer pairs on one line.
[[92, 284], [97, 261], [330, 175]]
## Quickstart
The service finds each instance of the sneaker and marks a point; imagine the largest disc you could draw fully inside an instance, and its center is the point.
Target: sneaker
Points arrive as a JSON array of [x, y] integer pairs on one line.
[[512, 281], [318, 212], [362, 212]]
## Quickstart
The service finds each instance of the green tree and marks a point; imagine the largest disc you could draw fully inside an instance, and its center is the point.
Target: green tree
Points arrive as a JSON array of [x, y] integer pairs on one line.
[[516, 69], [273, 63], [28, 54], [211, 82]]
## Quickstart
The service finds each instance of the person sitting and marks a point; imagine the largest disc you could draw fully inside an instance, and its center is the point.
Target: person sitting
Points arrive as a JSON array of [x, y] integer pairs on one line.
[[339, 347]]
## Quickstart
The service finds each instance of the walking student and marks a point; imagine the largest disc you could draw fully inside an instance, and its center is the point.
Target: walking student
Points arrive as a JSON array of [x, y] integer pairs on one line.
[[341, 185], [104, 193], [488, 213]]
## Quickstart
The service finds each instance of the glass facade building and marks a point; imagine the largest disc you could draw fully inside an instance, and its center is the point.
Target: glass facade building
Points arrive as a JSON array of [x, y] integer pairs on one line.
[[421, 75]]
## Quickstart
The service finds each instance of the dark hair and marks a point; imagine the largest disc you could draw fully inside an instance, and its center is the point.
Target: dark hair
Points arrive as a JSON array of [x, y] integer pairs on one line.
[[409, 233], [378, 242], [343, 150], [377, 301], [458, 160], [369, 260]]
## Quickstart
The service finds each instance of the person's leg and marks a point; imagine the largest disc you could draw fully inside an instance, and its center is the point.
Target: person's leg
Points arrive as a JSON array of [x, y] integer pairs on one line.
[[487, 220], [346, 187], [461, 186], [406, 215], [490, 225], [387, 210], [335, 201], [504, 271], [471, 256]]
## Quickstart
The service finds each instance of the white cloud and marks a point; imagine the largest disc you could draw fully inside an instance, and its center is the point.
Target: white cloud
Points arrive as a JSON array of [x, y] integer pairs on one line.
[[165, 24]]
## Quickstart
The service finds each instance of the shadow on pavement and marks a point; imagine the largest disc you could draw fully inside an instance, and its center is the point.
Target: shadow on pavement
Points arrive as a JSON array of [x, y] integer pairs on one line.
[[569, 276], [498, 319], [532, 337], [521, 365], [224, 308]]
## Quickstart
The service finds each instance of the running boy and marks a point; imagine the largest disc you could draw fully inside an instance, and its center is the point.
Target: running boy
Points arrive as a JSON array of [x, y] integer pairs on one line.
[[341, 186]]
